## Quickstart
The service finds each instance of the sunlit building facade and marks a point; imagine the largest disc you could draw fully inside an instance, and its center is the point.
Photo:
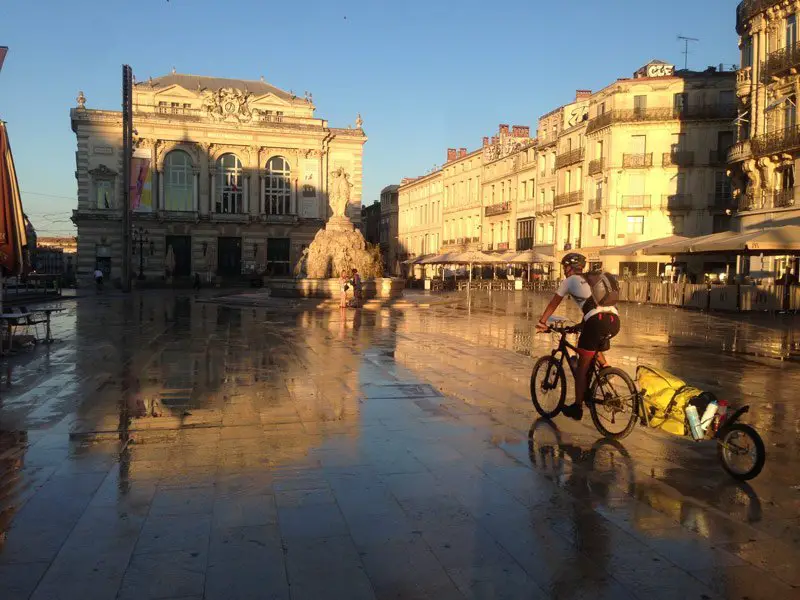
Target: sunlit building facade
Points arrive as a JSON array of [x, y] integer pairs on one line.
[[236, 179]]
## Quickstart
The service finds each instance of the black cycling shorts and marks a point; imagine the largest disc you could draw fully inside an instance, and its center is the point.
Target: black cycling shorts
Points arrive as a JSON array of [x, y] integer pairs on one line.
[[597, 332]]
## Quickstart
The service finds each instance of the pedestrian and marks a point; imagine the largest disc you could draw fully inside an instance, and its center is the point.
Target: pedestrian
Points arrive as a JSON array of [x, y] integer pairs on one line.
[[357, 299], [344, 286], [196, 284]]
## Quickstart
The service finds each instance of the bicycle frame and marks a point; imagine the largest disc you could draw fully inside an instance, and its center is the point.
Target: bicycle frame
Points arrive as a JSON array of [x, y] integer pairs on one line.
[[561, 352]]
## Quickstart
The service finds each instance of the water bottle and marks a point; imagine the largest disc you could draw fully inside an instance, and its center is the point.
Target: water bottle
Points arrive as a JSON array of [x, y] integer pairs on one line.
[[694, 422], [708, 416], [573, 363]]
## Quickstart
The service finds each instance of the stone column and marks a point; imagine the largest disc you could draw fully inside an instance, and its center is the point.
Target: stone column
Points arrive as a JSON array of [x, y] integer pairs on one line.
[[161, 198], [262, 207], [246, 191], [293, 196], [196, 189], [212, 191]]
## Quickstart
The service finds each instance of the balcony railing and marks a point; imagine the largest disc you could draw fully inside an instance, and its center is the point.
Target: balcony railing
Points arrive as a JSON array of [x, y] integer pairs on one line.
[[595, 205], [744, 77], [687, 113], [677, 159], [568, 199], [748, 9], [783, 198], [596, 166], [545, 208], [748, 202], [569, 158], [635, 202], [739, 151], [497, 209], [779, 62], [720, 200], [637, 161], [675, 202], [784, 140]]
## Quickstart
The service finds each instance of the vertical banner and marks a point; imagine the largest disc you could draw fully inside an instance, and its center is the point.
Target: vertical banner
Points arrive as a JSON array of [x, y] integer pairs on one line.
[[141, 191]]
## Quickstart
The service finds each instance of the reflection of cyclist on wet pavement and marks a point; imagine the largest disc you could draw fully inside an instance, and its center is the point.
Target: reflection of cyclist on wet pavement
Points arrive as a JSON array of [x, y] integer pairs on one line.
[[600, 324]]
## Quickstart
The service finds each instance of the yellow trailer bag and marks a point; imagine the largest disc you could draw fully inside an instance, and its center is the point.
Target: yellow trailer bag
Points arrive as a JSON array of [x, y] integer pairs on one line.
[[665, 397]]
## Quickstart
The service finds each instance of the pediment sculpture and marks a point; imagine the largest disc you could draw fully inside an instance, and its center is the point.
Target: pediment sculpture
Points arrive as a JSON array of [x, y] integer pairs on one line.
[[228, 104]]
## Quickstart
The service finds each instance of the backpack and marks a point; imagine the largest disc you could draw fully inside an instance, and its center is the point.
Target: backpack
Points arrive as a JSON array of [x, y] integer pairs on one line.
[[605, 287]]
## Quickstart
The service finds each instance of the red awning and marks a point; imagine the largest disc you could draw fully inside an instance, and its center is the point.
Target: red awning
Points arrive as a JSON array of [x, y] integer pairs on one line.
[[12, 222]]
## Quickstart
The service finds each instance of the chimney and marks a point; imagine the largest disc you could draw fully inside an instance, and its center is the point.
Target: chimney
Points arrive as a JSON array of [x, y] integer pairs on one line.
[[494, 139], [485, 141], [582, 95], [520, 131], [451, 154], [503, 129], [462, 152]]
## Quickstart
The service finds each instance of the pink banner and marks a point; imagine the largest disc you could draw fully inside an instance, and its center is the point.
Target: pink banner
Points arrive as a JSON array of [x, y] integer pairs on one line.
[[140, 170]]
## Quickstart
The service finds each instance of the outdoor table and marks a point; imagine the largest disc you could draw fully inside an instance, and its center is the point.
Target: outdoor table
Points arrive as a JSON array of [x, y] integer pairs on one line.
[[8, 320], [48, 338]]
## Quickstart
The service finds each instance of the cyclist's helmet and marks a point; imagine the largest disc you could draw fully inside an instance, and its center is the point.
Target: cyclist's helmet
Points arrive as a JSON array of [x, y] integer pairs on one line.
[[574, 260]]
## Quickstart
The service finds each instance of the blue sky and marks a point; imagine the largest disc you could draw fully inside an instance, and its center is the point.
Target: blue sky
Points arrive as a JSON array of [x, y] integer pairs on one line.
[[425, 75]]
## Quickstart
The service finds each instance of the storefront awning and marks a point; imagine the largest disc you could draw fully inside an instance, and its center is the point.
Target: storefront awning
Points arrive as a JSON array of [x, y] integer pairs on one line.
[[772, 239], [640, 247]]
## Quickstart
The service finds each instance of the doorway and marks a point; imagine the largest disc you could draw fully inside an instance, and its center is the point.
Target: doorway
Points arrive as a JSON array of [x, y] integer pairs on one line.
[[229, 259], [182, 249]]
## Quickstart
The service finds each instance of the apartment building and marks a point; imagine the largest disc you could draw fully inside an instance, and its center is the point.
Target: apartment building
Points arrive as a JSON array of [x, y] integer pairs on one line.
[[640, 161], [419, 205], [763, 161]]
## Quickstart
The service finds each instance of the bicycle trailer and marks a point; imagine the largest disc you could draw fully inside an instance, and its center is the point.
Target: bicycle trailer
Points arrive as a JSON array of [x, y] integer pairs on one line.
[[666, 398]]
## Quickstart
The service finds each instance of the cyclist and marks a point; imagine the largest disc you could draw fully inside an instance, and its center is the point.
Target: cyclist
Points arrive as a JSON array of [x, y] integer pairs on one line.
[[600, 324], [98, 278]]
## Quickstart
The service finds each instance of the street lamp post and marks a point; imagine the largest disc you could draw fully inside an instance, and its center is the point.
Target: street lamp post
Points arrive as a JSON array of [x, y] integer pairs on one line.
[[140, 236]]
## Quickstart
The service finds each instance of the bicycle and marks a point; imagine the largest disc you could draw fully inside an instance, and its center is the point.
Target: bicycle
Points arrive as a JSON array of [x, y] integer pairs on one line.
[[609, 391]]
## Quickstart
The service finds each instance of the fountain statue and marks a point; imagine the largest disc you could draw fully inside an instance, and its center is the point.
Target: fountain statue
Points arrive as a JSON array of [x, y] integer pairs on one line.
[[340, 246]]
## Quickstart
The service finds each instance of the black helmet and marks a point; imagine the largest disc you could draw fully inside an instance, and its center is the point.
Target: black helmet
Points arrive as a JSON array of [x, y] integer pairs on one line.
[[574, 260]]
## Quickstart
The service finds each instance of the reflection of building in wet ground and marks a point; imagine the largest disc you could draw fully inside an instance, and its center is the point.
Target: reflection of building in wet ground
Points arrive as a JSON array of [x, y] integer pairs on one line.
[[328, 453]]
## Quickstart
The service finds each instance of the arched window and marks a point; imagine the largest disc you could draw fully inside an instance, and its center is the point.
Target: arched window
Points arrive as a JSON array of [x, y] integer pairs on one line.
[[277, 187], [229, 185], [178, 184]]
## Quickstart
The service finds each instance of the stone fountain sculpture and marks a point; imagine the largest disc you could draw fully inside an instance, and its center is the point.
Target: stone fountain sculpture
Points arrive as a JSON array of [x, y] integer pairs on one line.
[[340, 246]]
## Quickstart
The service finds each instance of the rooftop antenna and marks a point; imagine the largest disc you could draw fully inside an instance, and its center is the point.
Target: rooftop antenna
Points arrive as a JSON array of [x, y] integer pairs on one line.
[[686, 41]]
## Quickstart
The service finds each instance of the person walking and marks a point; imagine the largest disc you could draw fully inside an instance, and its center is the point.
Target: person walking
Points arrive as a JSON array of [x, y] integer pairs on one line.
[[357, 298]]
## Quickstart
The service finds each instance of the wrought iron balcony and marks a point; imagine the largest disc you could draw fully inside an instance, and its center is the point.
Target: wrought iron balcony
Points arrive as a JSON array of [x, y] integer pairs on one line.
[[635, 202], [748, 202], [637, 161], [677, 159], [569, 158], [595, 205], [739, 151], [568, 199], [596, 166], [676, 202], [784, 140], [720, 200], [748, 9], [544, 208], [688, 113], [783, 198], [780, 62], [497, 209]]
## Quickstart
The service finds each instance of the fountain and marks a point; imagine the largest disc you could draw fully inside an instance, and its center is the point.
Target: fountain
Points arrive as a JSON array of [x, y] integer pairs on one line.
[[336, 248]]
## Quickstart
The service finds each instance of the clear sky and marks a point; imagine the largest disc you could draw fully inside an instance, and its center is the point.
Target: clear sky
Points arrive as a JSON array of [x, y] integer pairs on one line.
[[425, 75]]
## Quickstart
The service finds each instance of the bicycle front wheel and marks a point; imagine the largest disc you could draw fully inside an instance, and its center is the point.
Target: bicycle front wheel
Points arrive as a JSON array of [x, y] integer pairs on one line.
[[614, 403], [548, 387]]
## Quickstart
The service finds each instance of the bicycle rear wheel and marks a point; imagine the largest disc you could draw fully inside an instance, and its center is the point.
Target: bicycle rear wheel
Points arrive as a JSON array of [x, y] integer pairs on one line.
[[548, 387], [741, 451], [614, 403]]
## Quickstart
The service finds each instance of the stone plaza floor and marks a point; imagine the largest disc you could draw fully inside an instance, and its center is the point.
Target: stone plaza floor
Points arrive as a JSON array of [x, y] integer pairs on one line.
[[174, 446]]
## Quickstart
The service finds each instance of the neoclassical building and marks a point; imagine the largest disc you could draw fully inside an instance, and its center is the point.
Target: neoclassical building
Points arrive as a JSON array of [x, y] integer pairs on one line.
[[232, 175]]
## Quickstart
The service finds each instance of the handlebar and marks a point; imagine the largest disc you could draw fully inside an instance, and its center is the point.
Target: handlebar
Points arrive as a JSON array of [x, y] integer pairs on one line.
[[562, 327]]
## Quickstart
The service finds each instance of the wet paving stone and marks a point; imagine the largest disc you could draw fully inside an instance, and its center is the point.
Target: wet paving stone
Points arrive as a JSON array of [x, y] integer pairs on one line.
[[174, 447]]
